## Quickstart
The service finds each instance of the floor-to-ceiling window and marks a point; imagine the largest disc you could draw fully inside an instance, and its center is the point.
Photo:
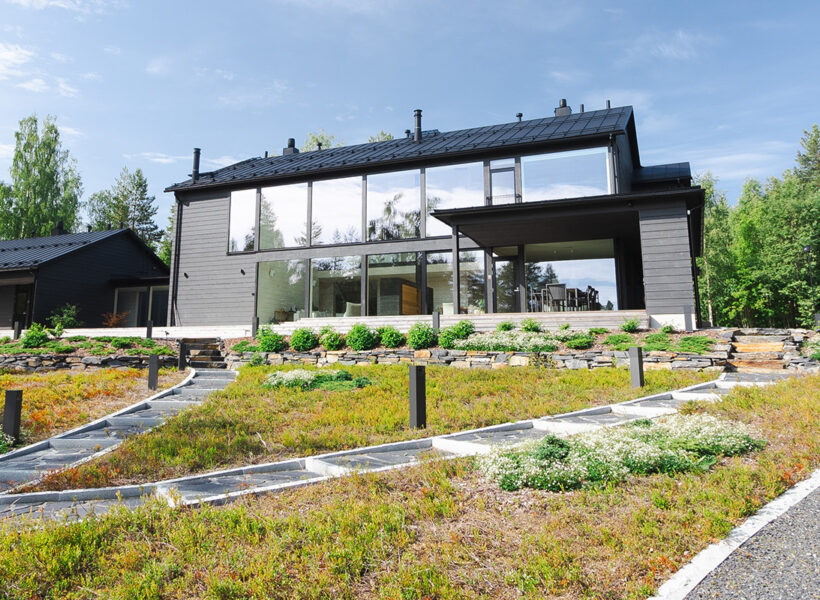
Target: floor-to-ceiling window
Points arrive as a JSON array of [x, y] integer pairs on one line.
[[242, 236], [453, 186], [283, 216], [472, 282], [280, 290], [393, 205], [394, 284], [571, 174], [337, 211], [336, 287]]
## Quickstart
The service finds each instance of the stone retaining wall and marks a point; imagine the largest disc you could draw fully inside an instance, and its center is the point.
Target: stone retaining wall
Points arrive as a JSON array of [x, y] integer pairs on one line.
[[54, 362]]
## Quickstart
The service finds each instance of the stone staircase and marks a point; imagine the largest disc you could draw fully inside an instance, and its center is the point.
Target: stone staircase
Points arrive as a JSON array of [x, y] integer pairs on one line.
[[760, 350], [205, 353]]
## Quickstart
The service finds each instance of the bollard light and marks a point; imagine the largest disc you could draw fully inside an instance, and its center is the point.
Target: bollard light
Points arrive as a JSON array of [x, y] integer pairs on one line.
[[183, 353], [149, 330], [418, 397], [12, 413], [153, 371], [636, 366]]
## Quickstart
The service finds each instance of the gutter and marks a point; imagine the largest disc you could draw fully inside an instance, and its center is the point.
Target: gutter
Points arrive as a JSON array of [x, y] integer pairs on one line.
[[175, 262]]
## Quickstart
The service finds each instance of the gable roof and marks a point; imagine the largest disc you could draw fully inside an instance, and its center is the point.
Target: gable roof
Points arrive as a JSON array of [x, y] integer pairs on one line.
[[32, 252], [574, 128]]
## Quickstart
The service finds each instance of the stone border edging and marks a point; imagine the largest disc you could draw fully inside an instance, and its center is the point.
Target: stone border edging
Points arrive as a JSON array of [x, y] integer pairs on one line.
[[707, 560], [46, 443]]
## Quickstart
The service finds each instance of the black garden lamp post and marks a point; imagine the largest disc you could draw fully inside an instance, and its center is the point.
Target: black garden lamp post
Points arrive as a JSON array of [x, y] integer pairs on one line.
[[813, 294]]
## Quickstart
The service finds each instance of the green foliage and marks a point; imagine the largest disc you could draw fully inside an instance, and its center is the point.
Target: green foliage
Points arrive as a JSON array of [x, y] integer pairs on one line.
[[563, 327], [509, 341], [657, 342], [619, 341], [314, 138], [45, 186], [598, 330], [390, 337], [270, 341], [121, 343], [699, 344], [331, 380], [74, 338], [530, 325], [68, 315], [59, 347], [505, 326], [127, 204], [257, 360], [35, 337], [447, 336], [361, 337], [5, 339], [382, 136], [56, 331], [333, 340], [420, 336], [668, 329], [303, 339], [580, 341], [630, 325], [244, 346]]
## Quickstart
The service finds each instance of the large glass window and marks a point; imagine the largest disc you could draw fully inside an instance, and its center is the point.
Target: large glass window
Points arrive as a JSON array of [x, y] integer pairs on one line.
[[454, 186], [393, 201], [502, 181], [243, 221], [440, 282], [394, 284], [283, 217], [280, 291], [337, 211], [336, 287], [472, 282], [565, 175]]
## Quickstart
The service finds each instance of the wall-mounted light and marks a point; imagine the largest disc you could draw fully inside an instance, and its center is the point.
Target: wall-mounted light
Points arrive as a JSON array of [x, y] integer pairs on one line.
[[185, 275], [242, 271]]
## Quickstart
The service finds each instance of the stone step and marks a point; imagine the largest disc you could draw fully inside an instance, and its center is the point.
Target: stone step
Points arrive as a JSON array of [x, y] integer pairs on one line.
[[757, 356], [760, 339], [756, 364], [758, 347], [205, 352], [207, 364], [199, 340]]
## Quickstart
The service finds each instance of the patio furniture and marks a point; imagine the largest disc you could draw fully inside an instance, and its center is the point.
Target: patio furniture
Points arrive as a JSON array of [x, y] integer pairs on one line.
[[556, 296]]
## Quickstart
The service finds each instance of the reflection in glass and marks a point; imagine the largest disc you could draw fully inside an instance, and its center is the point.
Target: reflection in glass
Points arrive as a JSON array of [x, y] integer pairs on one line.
[[471, 282], [243, 221], [283, 217], [454, 186], [280, 291], [502, 186], [505, 296], [565, 175], [337, 211], [440, 282], [393, 284], [393, 201], [336, 287]]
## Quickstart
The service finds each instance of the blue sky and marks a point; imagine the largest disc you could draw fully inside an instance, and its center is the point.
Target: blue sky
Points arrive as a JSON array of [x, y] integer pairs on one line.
[[728, 86]]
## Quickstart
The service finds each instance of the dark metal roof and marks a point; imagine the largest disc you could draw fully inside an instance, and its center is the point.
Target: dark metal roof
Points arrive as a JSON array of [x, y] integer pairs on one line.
[[32, 252], [668, 172], [433, 145]]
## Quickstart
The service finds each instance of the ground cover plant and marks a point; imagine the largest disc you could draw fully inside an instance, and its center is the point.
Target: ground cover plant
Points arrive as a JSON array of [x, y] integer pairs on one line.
[[250, 422], [37, 340], [509, 341], [439, 530], [661, 341], [670, 445], [60, 400], [326, 379]]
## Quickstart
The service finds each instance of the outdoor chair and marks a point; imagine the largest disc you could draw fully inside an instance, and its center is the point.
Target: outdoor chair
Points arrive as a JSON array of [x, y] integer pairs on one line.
[[556, 294]]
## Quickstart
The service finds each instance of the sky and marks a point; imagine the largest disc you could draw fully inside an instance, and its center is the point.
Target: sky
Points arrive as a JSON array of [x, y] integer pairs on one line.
[[728, 86]]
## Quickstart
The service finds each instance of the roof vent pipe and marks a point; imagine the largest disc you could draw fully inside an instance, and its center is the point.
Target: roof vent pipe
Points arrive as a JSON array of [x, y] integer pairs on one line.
[[519, 116], [408, 133], [563, 110], [291, 148], [582, 108], [608, 104], [417, 133], [195, 169]]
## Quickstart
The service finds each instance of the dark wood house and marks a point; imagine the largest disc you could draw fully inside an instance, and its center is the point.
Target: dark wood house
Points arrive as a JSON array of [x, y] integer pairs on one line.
[[98, 271]]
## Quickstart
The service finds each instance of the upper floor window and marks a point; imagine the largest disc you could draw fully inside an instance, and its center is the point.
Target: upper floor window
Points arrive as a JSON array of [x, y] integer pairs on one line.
[[565, 175], [393, 206], [242, 237], [283, 217], [337, 211], [454, 186]]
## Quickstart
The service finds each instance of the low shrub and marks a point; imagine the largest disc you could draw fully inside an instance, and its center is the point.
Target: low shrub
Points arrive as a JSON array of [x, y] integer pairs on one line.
[[580, 341], [563, 327], [68, 315], [6, 442], [673, 445], [619, 341], [244, 346], [420, 336], [270, 341], [325, 329], [657, 342], [257, 360], [630, 325], [332, 340], [505, 326], [59, 347], [121, 343], [390, 337], [668, 329], [508, 341], [598, 330], [5, 339], [812, 348], [334, 380], [114, 319], [35, 337], [530, 325], [447, 336], [361, 337], [698, 344], [303, 339]]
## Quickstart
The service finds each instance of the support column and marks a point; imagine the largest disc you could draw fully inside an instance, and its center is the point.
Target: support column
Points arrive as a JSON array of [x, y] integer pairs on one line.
[[520, 281], [456, 273]]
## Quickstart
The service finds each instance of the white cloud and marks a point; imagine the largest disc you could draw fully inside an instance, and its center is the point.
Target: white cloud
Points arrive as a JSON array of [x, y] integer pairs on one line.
[[156, 157], [15, 29], [207, 73], [70, 131], [679, 45], [34, 85], [220, 161], [12, 57], [361, 7], [112, 50], [6, 151], [61, 58], [566, 76], [79, 6], [65, 89], [259, 97], [91, 76], [158, 66]]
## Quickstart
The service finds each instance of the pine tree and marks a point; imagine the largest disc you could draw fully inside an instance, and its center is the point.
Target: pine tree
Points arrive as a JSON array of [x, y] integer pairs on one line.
[[126, 204]]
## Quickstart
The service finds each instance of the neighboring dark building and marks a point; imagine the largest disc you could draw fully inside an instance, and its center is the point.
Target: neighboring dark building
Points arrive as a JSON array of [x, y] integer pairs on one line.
[[99, 271], [531, 208]]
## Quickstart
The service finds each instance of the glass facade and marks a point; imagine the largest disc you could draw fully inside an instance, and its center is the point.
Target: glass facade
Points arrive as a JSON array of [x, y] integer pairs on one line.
[[454, 186], [393, 202], [565, 175], [440, 282], [337, 211], [472, 282], [283, 217], [394, 284], [336, 287], [242, 236], [280, 290]]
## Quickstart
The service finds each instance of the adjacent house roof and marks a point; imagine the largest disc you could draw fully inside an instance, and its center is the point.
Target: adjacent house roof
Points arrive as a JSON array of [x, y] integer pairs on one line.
[[574, 128], [32, 252]]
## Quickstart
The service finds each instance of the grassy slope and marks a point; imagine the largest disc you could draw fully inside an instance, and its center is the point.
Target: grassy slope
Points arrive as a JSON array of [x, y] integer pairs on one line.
[[248, 423], [434, 531], [60, 400]]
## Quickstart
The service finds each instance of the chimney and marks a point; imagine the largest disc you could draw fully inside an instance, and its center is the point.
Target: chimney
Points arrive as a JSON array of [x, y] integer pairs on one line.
[[88, 228], [195, 170], [582, 108], [563, 110], [408, 133], [608, 105], [519, 116], [291, 148], [417, 133], [58, 229]]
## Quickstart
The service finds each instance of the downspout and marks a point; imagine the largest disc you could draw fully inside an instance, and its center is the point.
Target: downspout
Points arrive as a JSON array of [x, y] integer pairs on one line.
[[695, 287], [175, 261], [614, 180]]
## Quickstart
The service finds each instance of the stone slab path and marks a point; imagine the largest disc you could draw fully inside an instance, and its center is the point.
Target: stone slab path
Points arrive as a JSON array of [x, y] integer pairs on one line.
[[223, 486], [26, 465]]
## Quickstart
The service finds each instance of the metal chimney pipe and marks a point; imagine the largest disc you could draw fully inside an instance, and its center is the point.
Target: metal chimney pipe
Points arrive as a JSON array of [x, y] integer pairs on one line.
[[417, 133], [195, 170], [519, 116], [582, 108], [608, 105]]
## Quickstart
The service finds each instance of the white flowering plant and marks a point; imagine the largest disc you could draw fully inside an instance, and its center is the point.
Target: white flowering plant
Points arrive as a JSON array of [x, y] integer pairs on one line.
[[336, 379], [6, 442], [508, 341], [675, 444]]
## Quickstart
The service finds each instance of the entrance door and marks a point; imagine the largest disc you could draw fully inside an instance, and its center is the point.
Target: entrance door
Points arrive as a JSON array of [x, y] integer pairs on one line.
[[22, 305], [505, 290]]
